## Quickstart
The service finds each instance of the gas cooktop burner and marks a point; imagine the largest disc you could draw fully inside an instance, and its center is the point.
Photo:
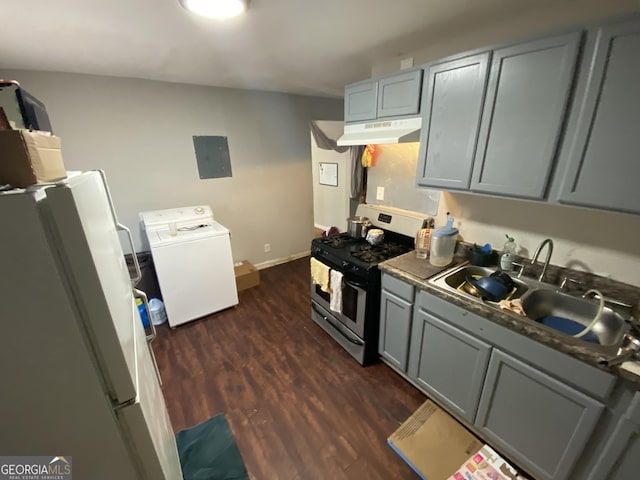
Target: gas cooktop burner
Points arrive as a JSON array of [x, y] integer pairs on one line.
[[378, 253], [338, 241], [356, 254]]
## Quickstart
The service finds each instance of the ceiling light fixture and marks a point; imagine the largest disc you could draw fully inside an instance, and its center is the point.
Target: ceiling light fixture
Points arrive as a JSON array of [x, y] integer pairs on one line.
[[216, 8]]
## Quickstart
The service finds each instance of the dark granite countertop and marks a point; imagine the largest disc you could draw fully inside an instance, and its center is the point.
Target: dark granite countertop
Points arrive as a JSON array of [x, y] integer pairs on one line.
[[418, 271]]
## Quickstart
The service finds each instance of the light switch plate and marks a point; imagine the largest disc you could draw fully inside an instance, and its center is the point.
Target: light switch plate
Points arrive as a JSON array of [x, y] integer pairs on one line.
[[380, 193]]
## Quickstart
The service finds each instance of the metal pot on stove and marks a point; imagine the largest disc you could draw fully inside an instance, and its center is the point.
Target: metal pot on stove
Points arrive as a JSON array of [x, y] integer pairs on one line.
[[357, 226]]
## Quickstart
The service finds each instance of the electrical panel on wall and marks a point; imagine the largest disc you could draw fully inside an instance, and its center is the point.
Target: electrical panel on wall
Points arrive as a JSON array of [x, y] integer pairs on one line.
[[212, 155]]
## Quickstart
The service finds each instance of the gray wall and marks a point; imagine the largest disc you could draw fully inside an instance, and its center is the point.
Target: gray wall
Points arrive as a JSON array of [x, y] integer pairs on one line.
[[140, 132]]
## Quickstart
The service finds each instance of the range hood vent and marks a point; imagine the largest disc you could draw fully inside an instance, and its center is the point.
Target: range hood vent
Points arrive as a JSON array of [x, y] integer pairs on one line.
[[387, 131]]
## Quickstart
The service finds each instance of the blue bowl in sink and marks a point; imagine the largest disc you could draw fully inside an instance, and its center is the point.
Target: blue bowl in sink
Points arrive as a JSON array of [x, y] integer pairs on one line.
[[489, 288]]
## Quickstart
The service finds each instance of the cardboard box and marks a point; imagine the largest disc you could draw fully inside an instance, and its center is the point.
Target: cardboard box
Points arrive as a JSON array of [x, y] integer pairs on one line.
[[29, 157], [247, 276], [437, 447]]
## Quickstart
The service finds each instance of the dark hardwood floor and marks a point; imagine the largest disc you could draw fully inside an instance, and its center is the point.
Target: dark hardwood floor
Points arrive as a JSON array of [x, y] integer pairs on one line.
[[299, 406]]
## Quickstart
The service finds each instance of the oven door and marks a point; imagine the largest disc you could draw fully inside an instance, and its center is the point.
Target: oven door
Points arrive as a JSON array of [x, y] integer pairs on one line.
[[354, 301], [348, 340]]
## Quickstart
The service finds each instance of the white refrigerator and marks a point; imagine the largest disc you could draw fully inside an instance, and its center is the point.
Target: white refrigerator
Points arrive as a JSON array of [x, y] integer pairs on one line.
[[77, 373]]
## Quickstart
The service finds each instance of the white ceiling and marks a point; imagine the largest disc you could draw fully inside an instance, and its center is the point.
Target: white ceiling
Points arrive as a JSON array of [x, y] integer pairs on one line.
[[297, 46]]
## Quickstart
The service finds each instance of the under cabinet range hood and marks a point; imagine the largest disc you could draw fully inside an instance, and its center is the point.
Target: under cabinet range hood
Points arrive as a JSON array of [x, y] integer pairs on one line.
[[385, 131]]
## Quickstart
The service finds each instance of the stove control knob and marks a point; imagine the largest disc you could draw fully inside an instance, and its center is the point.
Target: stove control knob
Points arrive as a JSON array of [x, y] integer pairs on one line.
[[345, 264]]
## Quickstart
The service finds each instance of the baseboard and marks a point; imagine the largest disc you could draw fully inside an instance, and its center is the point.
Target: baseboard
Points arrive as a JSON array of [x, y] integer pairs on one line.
[[281, 260]]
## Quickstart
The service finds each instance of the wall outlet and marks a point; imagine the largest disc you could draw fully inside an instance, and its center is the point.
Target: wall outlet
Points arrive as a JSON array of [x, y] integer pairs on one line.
[[406, 63], [267, 248], [380, 193]]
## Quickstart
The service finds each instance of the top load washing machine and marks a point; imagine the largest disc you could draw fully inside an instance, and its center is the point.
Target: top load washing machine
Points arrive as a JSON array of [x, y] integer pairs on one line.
[[193, 261]]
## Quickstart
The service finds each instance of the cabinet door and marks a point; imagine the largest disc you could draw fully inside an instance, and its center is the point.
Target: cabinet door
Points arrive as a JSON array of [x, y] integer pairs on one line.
[[541, 422], [360, 101], [399, 94], [452, 105], [395, 328], [619, 458], [448, 363], [603, 141], [523, 115]]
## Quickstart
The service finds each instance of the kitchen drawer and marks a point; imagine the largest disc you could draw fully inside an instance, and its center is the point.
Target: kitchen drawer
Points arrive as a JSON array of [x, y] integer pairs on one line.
[[396, 286]]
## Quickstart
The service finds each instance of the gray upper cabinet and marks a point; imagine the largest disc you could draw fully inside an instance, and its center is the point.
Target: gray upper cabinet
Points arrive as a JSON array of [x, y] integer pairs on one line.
[[360, 101], [600, 153], [396, 311], [394, 95], [448, 363], [452, 104], [538, 420], [399, 94], [524, 111]]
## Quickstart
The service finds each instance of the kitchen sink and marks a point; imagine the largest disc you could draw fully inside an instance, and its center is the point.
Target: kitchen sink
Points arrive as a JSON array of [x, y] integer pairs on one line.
[[456, 282], [609, 330], [542, 300]]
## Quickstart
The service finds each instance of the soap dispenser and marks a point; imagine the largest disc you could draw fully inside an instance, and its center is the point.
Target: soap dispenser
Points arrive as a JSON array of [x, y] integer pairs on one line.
[[508, 254]]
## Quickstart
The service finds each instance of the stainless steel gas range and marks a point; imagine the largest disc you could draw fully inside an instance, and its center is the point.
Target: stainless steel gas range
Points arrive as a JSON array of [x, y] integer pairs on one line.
[[354, 322]]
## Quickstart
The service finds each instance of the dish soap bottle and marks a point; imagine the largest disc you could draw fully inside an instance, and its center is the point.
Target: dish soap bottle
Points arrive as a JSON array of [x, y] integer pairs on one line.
[[508, 254]]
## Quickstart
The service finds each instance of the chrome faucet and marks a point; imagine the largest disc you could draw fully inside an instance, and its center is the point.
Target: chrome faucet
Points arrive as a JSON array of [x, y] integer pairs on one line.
[[546, 241], [629, 350]]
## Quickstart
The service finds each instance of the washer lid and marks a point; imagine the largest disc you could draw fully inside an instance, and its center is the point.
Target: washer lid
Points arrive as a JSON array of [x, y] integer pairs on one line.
[[183, 216]]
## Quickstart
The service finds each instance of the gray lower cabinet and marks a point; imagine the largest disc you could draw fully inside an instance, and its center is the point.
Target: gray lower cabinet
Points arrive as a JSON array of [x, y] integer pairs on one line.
[[447, 363], [523, 117], [541, 422], [395, 328], [619, 458], [361, 101], [396, 312], [600, 152], [451, 108]]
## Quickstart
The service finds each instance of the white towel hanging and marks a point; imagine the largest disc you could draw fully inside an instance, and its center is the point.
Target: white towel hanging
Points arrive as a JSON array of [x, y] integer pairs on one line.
[[336, 291]]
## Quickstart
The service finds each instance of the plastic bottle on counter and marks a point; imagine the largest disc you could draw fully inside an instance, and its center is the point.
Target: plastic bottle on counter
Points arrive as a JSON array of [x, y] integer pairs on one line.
[[423, 242], [508, 254], [443, 244]]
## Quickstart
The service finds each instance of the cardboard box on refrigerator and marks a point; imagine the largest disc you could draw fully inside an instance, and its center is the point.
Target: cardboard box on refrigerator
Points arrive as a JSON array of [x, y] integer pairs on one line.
[[247, 276], [437, 447], [29, 157]]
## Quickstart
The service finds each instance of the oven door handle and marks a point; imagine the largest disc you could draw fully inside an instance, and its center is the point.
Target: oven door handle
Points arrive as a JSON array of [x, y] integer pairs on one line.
[[361, 286], [339, 328]]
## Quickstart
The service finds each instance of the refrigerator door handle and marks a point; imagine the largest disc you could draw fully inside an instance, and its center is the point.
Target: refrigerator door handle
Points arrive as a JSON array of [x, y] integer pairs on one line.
[[123, 228], [143, 296]]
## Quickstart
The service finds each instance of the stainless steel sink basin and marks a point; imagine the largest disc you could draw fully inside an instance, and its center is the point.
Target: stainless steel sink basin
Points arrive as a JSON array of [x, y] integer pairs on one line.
[[609, 329], [541, 300], [456, 281]]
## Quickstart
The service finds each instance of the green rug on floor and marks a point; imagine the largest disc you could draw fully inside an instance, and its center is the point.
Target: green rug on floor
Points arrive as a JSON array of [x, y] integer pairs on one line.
[[208, 451]]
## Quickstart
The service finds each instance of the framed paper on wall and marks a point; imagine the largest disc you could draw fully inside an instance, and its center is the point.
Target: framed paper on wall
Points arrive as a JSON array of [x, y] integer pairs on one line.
[[329, 174]]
